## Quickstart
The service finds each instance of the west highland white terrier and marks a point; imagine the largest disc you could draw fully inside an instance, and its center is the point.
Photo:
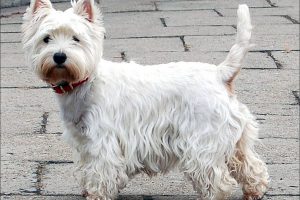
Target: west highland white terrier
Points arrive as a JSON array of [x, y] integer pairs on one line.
[[123, 118]]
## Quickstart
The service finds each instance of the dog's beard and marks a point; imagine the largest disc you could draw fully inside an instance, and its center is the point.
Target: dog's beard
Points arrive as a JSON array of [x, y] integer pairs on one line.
[[52, 73]]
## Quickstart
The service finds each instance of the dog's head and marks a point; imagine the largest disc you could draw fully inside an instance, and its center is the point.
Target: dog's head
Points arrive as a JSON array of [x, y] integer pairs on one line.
[[63, 46]]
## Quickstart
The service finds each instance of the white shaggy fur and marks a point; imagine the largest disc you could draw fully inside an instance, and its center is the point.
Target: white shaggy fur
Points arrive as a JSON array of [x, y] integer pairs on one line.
[[129, 118]]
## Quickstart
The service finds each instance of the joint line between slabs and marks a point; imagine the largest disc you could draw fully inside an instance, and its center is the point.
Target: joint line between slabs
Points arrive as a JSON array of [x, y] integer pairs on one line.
[[185, 46], [219, 13], [294, 21], [271, 3], [296, 95]]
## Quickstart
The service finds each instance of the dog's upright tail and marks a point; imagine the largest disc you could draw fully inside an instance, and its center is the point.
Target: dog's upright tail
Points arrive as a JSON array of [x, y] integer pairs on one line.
[[232, 64]]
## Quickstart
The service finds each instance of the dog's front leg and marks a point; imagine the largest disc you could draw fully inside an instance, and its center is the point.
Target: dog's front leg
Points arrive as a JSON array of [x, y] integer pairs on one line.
[[103, 170]]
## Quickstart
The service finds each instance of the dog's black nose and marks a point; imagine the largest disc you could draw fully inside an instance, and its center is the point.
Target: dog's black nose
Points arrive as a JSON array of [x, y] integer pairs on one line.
[[60, 58]]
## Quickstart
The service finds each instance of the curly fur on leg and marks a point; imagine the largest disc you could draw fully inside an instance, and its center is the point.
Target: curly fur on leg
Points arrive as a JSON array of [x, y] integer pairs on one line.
[[246, 166]]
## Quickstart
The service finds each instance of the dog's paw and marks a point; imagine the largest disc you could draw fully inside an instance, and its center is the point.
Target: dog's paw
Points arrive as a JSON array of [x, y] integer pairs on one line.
[[84, 193], [253, 196], [88, 196]]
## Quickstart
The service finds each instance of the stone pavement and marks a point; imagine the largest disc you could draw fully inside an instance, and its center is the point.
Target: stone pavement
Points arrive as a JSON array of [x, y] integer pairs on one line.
[[36, 163]]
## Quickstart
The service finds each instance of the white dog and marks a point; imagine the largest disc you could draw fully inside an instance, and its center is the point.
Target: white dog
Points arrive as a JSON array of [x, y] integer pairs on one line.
[[124, 118]]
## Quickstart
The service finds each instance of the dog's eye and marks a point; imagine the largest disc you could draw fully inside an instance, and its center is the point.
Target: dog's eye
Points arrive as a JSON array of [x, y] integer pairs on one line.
[[76, 39], [46, 39]]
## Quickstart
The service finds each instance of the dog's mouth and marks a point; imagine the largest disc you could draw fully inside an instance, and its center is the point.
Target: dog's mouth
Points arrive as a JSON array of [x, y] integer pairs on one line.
[[59, 74]]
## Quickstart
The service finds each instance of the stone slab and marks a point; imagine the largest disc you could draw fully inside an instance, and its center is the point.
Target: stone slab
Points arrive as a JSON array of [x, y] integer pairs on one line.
[[22, 110], [20, 121], [289, 60], [192, 21], [251, 80], [265, 108], [11, 48], [265, 94], [133, 5], [26, 78], [263, 11], [279, 29], [17, 176], [278, 150], [10, 37], [30, 100], [274, 126], [154, 32], [54, 123], [284, 179], [144, 44], [112, 54], [34, 147], [10, 28], [276, 42], [112, 18], [252, 60], [15, 18], [59, 179], [18, 61], [224, 43], [12, 3], [192, 5], [282, 3]]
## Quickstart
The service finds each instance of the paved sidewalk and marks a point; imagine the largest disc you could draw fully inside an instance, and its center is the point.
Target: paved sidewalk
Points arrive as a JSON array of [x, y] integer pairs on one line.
[[36, 163]]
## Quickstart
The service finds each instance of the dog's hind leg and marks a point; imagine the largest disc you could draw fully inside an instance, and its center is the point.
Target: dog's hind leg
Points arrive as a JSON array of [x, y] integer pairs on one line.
[[246, 166], [205, 166], [211, 182]]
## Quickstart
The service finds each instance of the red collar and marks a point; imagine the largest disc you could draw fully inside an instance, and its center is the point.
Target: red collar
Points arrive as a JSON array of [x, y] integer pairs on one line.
[[64, 88]]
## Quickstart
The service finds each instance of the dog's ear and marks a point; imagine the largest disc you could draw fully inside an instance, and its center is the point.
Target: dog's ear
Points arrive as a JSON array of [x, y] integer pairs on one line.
[[36, 5], [86, 8], [44, 6], [37, 10]]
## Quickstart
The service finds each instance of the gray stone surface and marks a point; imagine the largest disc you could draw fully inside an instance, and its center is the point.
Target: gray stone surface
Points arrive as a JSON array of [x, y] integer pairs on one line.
[[283, 3], [262, 11], [144, 44], [274, 109], [274, 126], [17, 177], [289, 60], [10, 37], [35, 147], [278, 29], [11, 48], [279, 150], [223, 43], [178, 21], [254, 60], [12, 3], [192, 5], [30, 78], [18, 61], [36, 162], [284, 179]]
